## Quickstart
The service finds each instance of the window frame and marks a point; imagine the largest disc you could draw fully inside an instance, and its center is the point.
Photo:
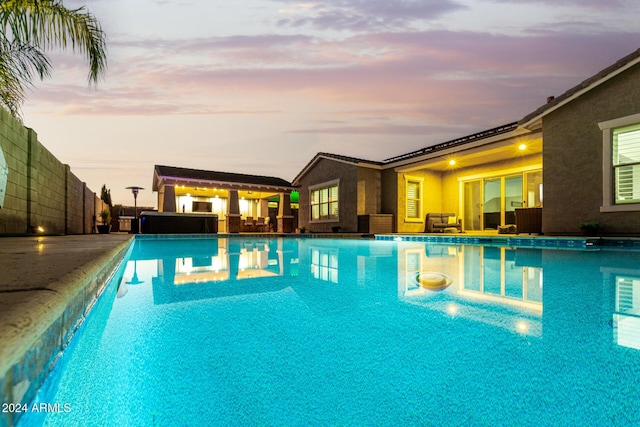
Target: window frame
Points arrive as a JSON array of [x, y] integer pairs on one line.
[[608, 169], [420, 181], [320, 187]]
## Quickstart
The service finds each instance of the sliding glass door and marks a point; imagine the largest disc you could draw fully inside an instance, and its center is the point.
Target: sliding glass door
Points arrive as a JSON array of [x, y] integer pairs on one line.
[[491, 202], [512, 198], [472, 206]]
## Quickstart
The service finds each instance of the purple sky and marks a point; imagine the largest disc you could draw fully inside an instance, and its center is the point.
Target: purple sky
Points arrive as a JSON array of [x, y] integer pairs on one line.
[[261, 86]]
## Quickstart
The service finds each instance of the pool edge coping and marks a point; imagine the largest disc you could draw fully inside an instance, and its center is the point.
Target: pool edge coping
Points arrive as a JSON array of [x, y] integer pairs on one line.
[[28, 354]]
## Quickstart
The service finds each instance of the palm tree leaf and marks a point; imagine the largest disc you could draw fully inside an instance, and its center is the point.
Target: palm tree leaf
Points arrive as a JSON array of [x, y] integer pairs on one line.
[[47, 23]]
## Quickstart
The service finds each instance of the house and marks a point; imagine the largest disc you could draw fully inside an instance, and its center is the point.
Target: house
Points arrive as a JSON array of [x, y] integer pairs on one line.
[[482, 178], [583, 145], [233, 197]]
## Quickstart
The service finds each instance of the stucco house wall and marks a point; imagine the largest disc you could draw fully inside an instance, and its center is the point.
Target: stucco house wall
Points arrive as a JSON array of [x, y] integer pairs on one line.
[[573, 158], [325, 171], [389, 196], [369, 191], [431, 199]]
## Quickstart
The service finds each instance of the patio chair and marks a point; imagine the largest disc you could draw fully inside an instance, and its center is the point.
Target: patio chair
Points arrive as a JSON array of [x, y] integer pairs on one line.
[[260, 224], [248, 223]]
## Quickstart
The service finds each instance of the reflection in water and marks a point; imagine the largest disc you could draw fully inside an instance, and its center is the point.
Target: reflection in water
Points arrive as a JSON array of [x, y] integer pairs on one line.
[[184, 270], [324, 264], [495, 285], [499, 286], [626, 319]]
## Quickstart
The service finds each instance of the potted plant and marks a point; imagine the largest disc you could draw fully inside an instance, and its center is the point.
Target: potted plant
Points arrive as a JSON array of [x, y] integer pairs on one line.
[[590, 228], [336, 228], [301, 230], [105, 216]]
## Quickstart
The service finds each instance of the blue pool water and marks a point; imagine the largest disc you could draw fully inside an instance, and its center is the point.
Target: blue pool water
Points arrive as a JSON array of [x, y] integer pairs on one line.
[[356, 332]]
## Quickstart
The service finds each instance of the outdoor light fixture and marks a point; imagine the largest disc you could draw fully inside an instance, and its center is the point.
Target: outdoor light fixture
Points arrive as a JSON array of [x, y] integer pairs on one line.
[[522, 147], [135, 190], [452, 162]]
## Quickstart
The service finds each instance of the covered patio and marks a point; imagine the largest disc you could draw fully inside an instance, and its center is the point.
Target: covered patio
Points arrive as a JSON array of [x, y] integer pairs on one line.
[[241, 202]]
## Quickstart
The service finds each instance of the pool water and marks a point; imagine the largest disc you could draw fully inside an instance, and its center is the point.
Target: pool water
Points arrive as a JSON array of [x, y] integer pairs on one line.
[[355, 332]]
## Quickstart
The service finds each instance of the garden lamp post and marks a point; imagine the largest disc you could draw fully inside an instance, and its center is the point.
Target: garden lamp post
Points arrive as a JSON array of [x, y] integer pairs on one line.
[[135, 189]]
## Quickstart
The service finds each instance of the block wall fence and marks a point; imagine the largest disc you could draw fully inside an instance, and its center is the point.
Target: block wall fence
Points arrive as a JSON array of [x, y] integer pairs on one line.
[[40, 190]]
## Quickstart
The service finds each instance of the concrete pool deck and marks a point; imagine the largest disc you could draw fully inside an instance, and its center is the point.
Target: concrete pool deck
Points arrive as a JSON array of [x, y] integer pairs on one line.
[[47, 283]]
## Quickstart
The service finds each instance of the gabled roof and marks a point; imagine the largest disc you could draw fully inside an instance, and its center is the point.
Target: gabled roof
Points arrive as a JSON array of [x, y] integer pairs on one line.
[[216, 177], [337, 157], [479, 136], [576, 91]]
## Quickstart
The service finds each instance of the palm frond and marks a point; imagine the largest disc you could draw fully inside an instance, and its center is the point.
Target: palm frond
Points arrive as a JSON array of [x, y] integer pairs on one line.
[[20, 63], [48, 24]]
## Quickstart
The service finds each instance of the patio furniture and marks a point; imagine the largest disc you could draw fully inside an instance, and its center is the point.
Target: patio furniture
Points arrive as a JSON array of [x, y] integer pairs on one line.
[[260, 224], [440, 222], [248, 224], [529, 220]]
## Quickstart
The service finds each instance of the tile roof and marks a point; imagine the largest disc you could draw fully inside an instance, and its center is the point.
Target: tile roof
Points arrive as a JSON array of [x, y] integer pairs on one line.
[[349, 159], [216, 176], [455, 142]]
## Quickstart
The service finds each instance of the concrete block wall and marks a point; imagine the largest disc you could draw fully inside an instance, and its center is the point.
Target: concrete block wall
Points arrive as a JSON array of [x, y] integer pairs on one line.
[[47, 188], [74, 204], [41, 190], [325, 171], [14, 144]]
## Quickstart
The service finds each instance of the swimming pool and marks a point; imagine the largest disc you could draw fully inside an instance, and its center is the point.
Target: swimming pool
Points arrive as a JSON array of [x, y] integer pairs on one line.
[[285, 331]]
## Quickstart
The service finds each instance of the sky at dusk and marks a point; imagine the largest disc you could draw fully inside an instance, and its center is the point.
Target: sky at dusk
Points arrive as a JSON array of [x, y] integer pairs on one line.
[[261, 86]]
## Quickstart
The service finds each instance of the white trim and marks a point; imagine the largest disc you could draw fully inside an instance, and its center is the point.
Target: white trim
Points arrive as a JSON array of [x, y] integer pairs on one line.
[[607, 128], [326, 184], [420, 181], [620, 122], [629, 207]]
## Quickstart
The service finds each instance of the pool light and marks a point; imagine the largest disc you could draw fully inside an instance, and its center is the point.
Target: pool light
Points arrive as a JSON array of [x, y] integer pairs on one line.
[[452, 309]]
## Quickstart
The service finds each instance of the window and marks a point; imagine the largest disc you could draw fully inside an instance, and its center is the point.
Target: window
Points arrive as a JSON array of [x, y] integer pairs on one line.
[[324, 202], [413, 199], [621, 164], [626, 164]]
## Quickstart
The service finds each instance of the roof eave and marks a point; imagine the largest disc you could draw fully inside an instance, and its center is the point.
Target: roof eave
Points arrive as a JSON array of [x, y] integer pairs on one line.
[[222, 184], [316, 159], [531, 121]]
